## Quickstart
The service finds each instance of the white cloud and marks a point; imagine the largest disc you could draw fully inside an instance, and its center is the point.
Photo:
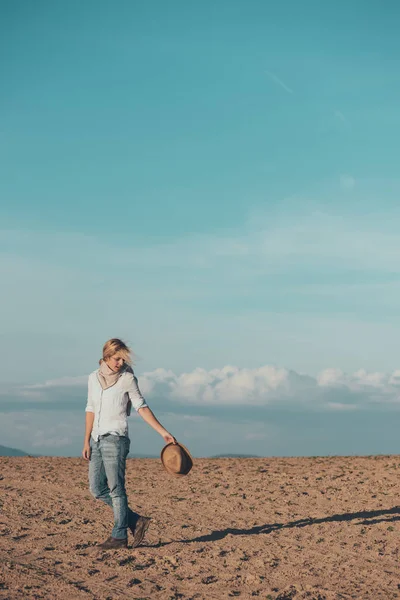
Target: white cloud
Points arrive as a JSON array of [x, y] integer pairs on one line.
[[329, 377], [395, 378], [267, 385], [359, 380], [54, 383], [230, 385], [275, 385]]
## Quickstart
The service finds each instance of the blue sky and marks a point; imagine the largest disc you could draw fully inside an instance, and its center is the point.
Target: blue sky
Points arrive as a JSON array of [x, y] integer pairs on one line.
[[217, 184]]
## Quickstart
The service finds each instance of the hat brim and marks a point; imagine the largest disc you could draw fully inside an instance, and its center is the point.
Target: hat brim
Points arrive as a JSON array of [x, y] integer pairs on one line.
[[188, 458]]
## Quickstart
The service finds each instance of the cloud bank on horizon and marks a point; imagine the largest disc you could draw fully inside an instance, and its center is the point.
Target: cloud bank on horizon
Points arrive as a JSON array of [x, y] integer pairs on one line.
[[265, 410], [231, 386]]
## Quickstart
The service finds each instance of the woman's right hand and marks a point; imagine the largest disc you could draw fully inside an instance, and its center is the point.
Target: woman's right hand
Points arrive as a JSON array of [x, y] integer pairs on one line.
[[168, 438], [86, 451]]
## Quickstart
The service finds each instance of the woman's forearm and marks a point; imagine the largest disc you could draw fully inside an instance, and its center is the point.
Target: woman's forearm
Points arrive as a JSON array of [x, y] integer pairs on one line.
[[88, 425], [147, 415]]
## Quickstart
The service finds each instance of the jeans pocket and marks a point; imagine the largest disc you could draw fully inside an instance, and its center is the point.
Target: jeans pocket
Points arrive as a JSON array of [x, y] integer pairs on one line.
[[119, 440]]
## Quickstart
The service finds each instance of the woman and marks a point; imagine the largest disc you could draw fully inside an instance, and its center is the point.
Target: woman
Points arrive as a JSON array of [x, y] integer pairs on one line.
[[112, 390]]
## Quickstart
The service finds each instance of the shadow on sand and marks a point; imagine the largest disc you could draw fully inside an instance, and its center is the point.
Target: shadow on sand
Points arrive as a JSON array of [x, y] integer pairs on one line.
[[367, 518]]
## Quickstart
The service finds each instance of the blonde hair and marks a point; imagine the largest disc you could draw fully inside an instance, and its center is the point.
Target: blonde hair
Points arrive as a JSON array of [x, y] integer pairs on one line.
[[116, 346]]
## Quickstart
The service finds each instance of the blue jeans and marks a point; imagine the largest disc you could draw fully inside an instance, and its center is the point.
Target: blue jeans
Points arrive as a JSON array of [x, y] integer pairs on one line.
[[107, 480]]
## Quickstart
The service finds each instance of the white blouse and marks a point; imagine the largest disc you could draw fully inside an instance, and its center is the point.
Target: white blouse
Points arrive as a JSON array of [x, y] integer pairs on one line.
[[111, 407]]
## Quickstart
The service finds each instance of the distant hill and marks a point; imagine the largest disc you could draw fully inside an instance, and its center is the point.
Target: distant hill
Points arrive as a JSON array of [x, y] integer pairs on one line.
[[4, 451]]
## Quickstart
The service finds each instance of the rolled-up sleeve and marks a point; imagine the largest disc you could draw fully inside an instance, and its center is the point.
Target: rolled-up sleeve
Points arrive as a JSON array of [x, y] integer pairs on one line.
[[134, 393], [89, 403]]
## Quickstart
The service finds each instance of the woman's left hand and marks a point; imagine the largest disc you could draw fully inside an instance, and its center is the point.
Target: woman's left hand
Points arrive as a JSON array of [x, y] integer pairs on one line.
[[168, 438]]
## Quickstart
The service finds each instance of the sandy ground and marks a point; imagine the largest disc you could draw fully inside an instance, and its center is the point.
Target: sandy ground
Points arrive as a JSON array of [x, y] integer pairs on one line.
[[303, 528]]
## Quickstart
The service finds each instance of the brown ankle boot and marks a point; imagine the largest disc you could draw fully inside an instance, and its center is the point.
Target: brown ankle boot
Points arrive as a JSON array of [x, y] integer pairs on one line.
[[113, 544], [142, 526]]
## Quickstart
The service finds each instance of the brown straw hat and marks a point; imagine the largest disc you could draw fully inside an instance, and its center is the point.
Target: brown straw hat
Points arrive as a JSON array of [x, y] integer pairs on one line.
[[176, 459]]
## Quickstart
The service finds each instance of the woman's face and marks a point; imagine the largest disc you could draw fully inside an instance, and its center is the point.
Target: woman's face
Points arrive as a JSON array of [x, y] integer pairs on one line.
[[115, 363]]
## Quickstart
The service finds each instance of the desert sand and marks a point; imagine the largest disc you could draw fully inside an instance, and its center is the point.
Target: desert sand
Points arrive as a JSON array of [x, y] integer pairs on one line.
[[279, 528]]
